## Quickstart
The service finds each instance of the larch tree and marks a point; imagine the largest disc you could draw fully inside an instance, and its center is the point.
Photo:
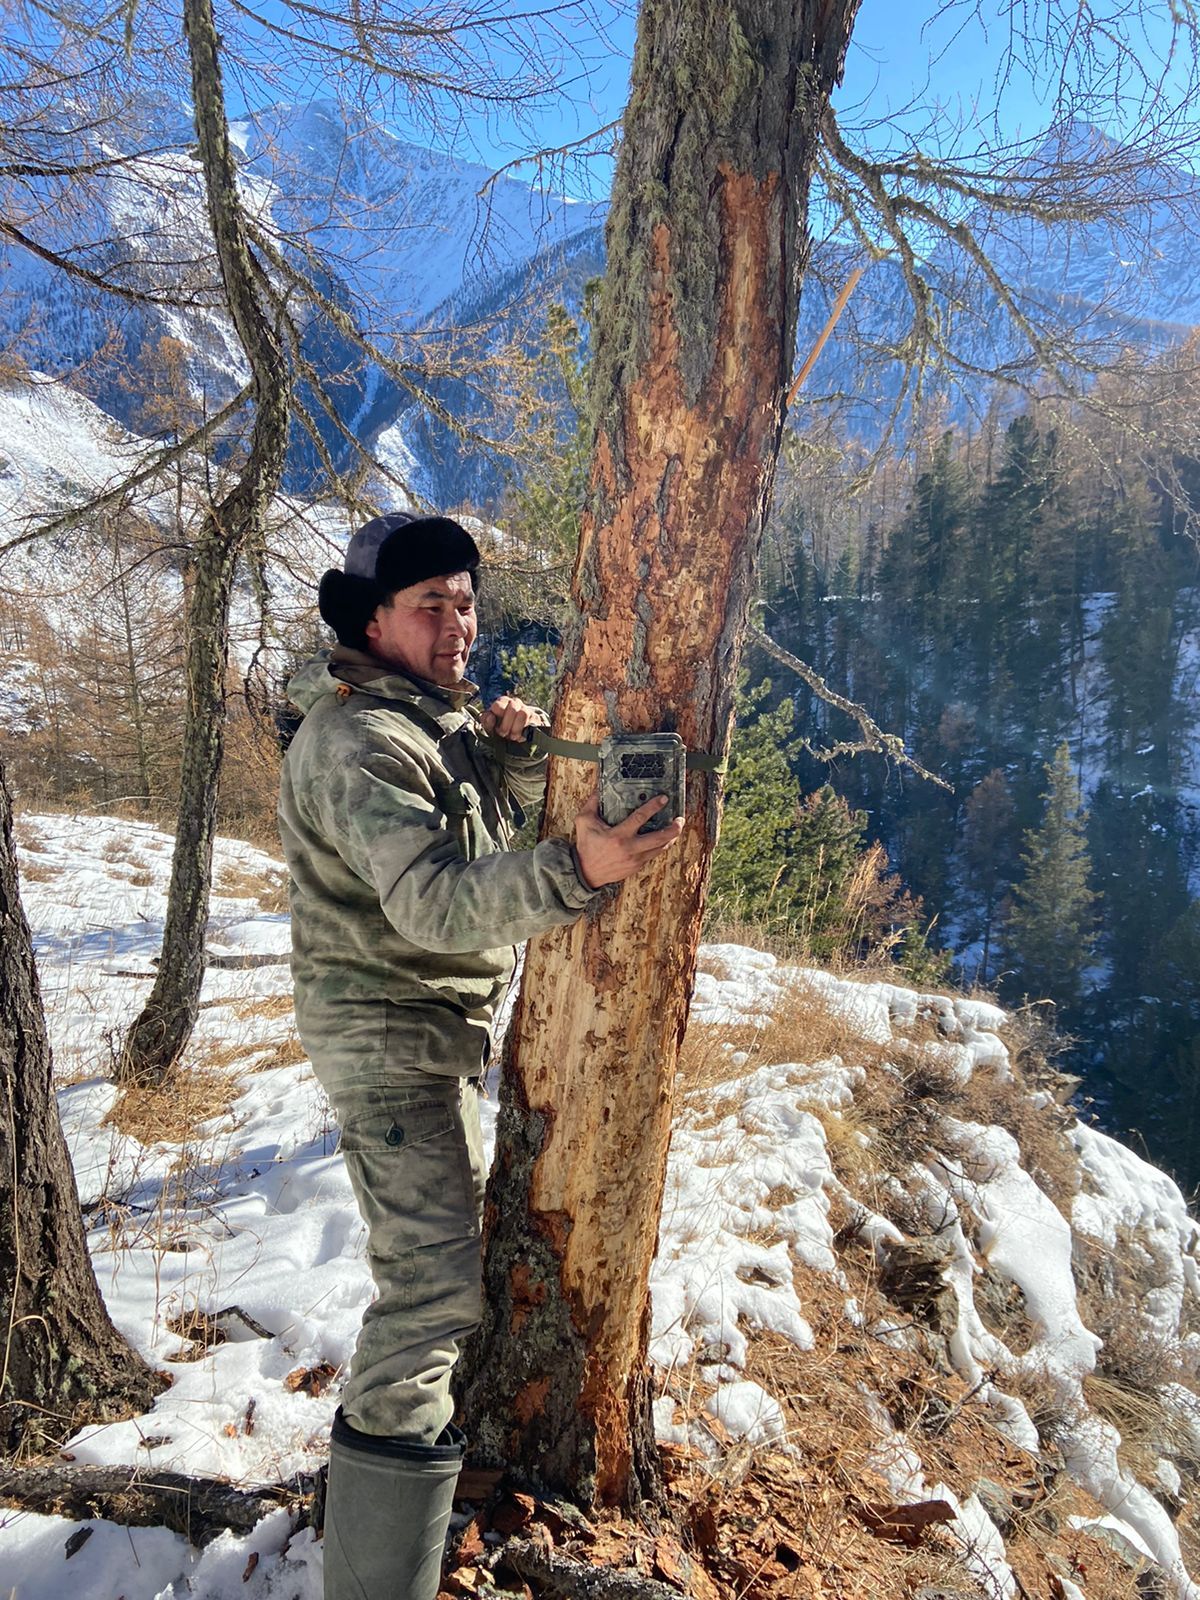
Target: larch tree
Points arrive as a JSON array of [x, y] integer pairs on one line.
[[693, 349], [729, 122], [64, 1361], [237, 520]]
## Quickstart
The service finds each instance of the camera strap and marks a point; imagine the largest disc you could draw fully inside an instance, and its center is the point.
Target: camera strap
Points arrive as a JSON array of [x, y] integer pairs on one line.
[[542, 742]]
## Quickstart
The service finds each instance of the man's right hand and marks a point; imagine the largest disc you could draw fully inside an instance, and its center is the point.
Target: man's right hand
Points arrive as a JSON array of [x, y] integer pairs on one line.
[[610, 855]]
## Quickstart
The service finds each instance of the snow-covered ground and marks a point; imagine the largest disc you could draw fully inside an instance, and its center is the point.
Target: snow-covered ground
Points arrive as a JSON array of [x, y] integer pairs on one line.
[[253, 1211]]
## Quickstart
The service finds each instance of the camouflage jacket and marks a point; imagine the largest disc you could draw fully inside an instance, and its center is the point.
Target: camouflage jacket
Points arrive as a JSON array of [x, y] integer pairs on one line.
[[396, 813]]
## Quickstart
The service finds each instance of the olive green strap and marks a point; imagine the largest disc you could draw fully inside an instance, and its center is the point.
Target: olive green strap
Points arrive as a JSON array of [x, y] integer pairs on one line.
[[542, 742]]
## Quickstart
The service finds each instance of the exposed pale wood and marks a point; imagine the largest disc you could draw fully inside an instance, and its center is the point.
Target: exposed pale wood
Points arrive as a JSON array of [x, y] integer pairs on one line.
[[831, 322]]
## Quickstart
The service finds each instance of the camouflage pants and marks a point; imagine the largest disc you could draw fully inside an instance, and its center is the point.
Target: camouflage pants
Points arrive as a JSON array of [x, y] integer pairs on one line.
[[414, 1156]]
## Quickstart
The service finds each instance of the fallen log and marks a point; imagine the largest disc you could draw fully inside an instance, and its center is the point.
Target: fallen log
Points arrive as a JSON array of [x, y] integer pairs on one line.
[[141, 1497]]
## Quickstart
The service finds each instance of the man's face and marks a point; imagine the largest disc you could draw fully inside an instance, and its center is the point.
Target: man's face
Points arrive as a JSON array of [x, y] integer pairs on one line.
[[428, 630]]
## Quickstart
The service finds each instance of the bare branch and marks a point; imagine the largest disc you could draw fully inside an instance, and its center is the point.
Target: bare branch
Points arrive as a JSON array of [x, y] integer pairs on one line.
[[873, 742]]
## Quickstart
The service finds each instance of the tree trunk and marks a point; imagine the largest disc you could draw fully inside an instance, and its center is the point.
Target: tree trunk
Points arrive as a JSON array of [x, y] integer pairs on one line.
[[695, 338], [160, 1033], [64, 1362]]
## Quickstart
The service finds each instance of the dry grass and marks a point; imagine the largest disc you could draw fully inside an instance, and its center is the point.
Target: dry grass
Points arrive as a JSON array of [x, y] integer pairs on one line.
[[1110, 1284], [35, 871], [270, 1007], [171, 1113], [803, 1028], [267, 886], [288, 1052], [1047, 1153], [835, 1398], [1001, 1306], [831, 1394]]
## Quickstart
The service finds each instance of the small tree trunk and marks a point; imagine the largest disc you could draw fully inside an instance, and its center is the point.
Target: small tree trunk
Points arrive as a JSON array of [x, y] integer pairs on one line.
[[64, 1363], [158, 1037], [141, 759], [694, 346], [162, 1030]]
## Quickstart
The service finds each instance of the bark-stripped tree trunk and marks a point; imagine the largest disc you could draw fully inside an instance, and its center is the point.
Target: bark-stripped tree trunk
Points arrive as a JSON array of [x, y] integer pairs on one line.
[[63, 1361], [160, 1033], [694, 344]]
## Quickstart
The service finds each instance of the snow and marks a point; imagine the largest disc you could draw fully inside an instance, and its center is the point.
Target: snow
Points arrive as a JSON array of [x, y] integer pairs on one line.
[[55, 443], [1028, 1240], [747, 1411], [252, 1216]]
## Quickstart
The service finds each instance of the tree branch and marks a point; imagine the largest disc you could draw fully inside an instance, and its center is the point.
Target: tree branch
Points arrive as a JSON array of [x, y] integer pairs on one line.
[[122, 491], [97, 280], [873, 742]]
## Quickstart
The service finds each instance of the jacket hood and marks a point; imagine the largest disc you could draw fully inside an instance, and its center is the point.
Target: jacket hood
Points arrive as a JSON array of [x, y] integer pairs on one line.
[[309, 682], [325, 673]]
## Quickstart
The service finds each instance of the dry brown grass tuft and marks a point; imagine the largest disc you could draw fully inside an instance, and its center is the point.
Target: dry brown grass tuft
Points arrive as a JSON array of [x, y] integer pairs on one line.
[[270, 1007], [268, 887], [34, 871], [1047, 1153], [172, 1112], [1002, 1310], [288, 1052], [1110, 1285], [1148, 1428], [803, 1028]]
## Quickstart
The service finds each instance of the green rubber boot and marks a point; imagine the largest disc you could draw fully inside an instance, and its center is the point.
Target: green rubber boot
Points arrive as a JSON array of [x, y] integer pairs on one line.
[[387, 1509]]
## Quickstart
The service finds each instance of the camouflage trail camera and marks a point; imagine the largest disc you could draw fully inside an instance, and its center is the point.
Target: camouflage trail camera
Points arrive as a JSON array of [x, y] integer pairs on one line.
[[634, 767]]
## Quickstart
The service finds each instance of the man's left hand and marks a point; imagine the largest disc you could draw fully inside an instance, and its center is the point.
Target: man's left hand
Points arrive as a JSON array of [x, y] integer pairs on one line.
[[510, 718]]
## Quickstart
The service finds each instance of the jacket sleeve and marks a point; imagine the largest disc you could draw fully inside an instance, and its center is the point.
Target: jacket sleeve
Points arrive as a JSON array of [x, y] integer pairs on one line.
[[381, 813], [523, 775]]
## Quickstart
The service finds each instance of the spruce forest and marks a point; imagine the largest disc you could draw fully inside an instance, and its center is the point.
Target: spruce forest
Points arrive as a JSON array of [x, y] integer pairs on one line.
[[1024, 609]]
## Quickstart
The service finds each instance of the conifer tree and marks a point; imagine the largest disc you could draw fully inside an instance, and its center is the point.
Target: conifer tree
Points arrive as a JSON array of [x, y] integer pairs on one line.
[[1050, 932], [826, 848], [752, 866], [987, 846], [1139, 641]]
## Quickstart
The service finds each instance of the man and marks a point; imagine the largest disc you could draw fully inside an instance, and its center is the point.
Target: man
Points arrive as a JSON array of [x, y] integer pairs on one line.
[[396, 812]]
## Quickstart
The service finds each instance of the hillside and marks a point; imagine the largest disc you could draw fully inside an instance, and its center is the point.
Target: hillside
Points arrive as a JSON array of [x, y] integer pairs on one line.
[[917, 1329]]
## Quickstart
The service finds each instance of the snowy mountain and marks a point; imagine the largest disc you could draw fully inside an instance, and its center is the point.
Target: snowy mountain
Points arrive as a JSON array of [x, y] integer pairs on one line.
[[407, 241], [404, 228], [401, 239], [916, 1329]]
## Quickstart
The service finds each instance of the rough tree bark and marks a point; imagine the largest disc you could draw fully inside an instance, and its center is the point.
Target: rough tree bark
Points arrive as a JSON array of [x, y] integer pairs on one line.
[[694, 345], [159, 1035], [64, 1363]]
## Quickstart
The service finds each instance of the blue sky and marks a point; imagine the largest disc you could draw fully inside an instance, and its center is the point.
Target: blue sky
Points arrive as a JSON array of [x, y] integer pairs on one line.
[[897, 60]]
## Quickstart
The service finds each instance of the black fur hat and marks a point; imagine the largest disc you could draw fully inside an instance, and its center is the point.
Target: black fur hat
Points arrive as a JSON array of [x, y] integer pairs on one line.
[[389, 553]]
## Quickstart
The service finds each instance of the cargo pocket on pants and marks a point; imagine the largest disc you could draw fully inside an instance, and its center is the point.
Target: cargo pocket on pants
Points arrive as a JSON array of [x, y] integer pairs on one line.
[[408, 1160]]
